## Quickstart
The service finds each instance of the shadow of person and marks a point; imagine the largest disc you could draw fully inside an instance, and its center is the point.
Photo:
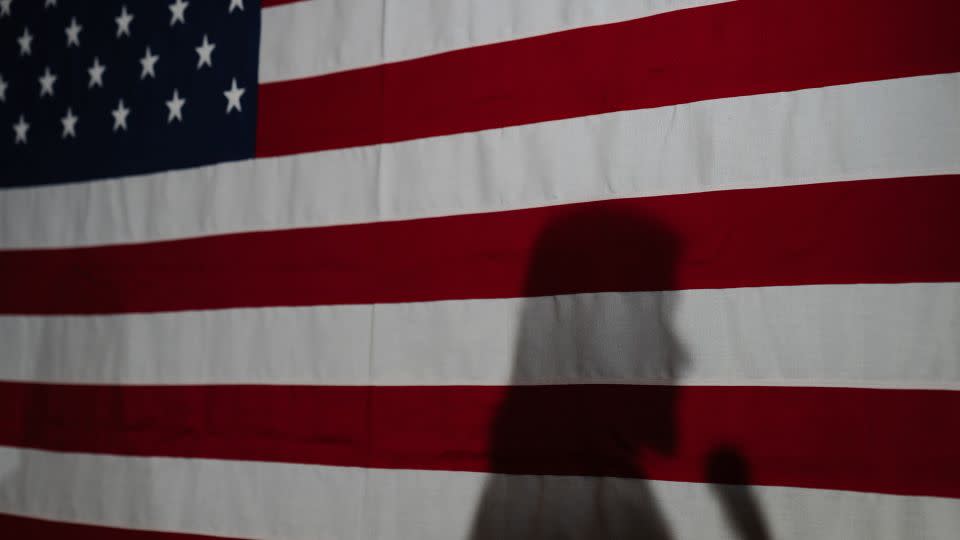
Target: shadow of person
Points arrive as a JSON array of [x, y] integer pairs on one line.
[[591, 389]]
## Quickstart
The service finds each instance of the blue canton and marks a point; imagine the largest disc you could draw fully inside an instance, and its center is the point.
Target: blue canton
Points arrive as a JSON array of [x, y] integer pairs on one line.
[[100, 89]]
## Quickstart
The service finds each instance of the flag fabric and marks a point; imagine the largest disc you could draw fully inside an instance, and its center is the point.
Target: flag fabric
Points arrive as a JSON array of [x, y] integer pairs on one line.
[[460, 269]]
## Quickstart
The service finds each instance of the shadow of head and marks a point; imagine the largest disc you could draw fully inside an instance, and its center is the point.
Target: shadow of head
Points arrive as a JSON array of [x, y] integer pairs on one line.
[[591, 248], [596, 323], [590, 391]]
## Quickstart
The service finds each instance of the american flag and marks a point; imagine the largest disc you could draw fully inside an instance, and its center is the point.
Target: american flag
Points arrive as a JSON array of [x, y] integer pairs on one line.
[[438, 269]]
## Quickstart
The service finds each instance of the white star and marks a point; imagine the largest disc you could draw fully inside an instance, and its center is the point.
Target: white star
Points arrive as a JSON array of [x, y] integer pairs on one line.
[[177, 10], [233, 96], [123, 22], [120, 116], [148, 61], [25, 40], [49, 3], [46, 82], [235, 4], [3, 89], [20, 129], [96, 73], [69, 122], [73, 32], [175, 104], [5, 7], [205, 52]]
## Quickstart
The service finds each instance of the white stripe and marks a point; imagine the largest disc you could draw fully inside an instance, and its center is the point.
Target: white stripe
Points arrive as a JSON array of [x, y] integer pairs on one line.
[[900, 127], [836, 335], [305, 39], [277, 500]]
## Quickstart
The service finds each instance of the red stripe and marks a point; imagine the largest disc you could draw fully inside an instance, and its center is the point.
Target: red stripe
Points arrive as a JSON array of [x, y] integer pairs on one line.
[[890, 441], [734, 49], [875, 231], [24, 528], [271, 3]]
